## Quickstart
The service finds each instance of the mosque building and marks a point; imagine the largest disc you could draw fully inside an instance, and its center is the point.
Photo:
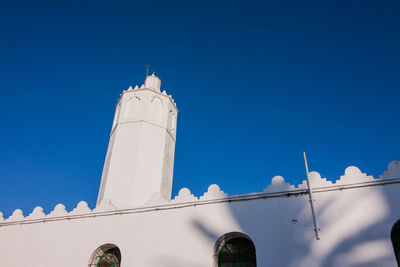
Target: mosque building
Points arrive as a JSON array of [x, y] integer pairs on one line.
[[352, 222]]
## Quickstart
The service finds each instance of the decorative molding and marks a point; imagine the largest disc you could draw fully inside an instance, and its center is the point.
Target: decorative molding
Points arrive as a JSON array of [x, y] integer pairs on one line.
[[37, 213], [354, 175], [392, 171], [81, 208], [278, 184], [133, 97], [184, 195], [58, 211], [156, 97], [315, 180], [213, 192], [17, 215]]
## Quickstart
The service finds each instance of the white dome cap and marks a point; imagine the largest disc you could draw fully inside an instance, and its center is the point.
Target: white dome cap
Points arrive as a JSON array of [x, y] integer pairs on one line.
[[153, 82]]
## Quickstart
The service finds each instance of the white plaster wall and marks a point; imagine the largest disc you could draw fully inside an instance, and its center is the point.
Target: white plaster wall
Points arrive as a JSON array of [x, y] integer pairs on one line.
[[355, 215]]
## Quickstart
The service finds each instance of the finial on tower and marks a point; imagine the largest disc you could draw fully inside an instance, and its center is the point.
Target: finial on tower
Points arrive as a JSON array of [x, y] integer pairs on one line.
[[153, 82], [147, 70]]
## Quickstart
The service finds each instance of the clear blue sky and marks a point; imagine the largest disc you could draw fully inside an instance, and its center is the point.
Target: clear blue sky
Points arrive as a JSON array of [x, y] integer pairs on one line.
[[256, 83]]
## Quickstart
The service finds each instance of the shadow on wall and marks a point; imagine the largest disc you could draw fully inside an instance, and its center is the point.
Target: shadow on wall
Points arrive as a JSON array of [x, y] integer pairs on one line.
[[355, 224]]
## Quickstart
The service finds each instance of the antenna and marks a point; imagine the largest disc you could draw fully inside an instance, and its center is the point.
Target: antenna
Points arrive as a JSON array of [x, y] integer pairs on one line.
[[147, 70], [310, 196]]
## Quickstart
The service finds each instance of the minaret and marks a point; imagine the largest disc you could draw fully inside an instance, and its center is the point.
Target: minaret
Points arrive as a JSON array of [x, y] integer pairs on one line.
[[140, 156]]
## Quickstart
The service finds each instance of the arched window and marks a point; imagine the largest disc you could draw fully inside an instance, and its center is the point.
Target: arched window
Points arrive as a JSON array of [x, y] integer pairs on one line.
[[235, 250], [107, 255], [395, 236]]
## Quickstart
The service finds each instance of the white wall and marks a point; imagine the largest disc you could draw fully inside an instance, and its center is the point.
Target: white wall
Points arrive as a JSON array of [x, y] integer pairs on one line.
[[355, 215]]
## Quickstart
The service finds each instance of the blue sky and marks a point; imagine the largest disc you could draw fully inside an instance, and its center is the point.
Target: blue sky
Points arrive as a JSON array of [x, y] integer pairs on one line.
[[256, 83]]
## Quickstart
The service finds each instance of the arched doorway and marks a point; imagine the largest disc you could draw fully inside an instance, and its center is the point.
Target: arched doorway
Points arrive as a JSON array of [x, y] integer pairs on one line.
[[107, 255], [235, 250], [395, 236]]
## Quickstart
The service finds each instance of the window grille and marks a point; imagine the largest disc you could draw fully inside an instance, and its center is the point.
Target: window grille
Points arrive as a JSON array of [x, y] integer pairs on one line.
[[106, 256], [395, 236], [236, 250]]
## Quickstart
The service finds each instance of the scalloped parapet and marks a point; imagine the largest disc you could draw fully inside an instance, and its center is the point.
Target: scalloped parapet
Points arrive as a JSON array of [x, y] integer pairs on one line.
[[278, 184], [58, 211], [213, 192], [17, 215], [184, 195], [37, 213], [81, 208], [392, 171], [105, 205], [315, 181], [353, 175]]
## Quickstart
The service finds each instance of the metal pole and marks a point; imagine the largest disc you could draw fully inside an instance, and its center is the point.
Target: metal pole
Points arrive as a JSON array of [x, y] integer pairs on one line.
[[316, 228]]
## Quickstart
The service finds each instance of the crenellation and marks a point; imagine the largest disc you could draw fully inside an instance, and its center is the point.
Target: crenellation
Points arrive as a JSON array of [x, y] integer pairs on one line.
[[17, 215], [81, 208], [184, 195], [353, 175], [392, 171], [58, 211], [37, 213], [213, 192], [315, 181], [278, 184]]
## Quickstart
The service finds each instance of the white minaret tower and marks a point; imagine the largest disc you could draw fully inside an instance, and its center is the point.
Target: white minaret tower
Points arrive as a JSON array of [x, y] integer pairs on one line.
[[140, 156]]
